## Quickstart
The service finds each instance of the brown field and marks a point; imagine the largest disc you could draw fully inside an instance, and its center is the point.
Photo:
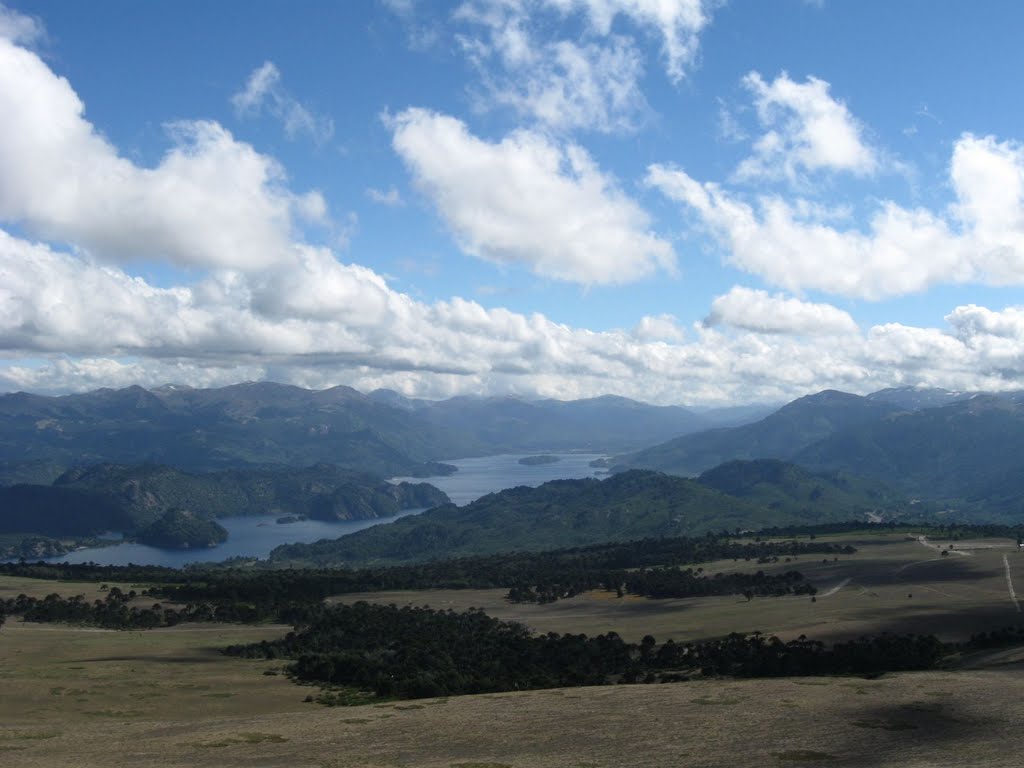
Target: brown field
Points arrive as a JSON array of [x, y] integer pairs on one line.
[[952, 597], [84, 697]]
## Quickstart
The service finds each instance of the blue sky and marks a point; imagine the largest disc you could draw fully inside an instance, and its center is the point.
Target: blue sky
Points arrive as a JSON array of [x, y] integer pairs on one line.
[[691, 202]]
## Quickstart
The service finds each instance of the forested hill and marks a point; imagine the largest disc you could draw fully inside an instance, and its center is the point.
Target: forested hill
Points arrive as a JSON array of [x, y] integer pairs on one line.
[[243, 425], [772, 484], [781, 435], [564, 513], [128, 498], [264, 424], [971, 451]]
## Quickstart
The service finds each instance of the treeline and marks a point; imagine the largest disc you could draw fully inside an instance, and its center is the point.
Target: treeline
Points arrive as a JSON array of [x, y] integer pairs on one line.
[[115, 611], [954, 531], [419, 652], [555, 574], [665, 583]]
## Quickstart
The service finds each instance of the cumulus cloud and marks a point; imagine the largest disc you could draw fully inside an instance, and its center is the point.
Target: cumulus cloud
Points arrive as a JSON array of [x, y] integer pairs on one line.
[[321, 322], [760, 312], [211, 202], [561, 83], [807, 130], [19, 28], [565, 81], [390, 197], [527, 200], [979, 238], [679, 24], [263, 90], [662, 327]]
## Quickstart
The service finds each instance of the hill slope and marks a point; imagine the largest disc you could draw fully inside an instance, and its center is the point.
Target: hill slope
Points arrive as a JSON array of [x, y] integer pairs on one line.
[[781, 435], [561, 513], [775, 484], [265, 424], [971, 450]]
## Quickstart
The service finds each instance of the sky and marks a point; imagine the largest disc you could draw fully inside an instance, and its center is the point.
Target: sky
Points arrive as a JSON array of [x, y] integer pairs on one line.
[[694, 202]]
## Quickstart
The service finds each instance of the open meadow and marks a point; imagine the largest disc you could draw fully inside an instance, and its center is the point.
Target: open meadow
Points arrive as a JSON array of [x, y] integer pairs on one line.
[[167, 697], [892, 583]]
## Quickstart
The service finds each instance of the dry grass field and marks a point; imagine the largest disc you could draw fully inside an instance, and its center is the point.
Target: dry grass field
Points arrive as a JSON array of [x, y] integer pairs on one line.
[[84, 697], [891, 584]]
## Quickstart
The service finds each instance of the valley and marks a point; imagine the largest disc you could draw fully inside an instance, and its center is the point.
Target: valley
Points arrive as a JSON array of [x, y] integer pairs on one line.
[[168, 697]]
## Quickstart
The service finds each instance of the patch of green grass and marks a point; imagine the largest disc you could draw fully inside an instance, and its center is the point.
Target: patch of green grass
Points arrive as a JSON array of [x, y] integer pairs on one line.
[[246, 738], [481, 765], [708, 701], [28, 735], [404, 707], [885, 725], [347, 697], [802, 756], [219, 695]]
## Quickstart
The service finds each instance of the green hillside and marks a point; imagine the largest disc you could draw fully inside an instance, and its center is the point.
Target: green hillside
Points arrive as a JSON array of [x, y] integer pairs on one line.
[[778, 436], [971, 451], [775, 484], [181, 529], [561, 513], [324, 492]]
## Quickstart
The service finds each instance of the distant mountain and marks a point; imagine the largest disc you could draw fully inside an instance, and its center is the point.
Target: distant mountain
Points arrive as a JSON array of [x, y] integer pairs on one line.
[[916, 399], [265, 424], [781, 435], [775, 484], [512, 424], [323, 492], [565, 513], [971, 450], [236, 426]]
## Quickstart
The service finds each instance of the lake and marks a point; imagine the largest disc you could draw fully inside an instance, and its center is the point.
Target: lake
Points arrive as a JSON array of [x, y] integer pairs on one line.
[[257, 535]]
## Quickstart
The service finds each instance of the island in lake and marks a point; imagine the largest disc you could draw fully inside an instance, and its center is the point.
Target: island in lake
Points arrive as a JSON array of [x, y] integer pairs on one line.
[[182, 529], [533, 461]]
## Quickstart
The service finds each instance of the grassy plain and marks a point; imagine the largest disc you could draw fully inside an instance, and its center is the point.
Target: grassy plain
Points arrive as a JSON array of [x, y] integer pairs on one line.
[[85, 697], [893, 583]]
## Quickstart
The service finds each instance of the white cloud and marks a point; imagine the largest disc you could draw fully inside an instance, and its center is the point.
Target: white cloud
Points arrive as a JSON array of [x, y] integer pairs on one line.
[[529, 201], [662, 327], [211, 202], [760, 312], [530, 62], [578, 86], [390, 197], [263, 90], [319, 322], [980, 238], [561, 83], [807, 131], [19, 28], [678, 22]]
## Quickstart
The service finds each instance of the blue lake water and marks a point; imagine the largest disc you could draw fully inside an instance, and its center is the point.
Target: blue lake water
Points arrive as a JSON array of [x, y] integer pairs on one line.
[[257, 535]]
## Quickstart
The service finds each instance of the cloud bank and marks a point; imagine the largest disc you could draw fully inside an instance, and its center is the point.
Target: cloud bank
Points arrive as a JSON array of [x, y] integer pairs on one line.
[[529, 201]]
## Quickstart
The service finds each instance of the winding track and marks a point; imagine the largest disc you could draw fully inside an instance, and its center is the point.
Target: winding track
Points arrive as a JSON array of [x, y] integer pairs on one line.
[[963, 553], [1009, 583], [835, 589]]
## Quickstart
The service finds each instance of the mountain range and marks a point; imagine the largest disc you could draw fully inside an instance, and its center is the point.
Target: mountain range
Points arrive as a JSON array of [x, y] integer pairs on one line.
[[264, 424], [964, 448]]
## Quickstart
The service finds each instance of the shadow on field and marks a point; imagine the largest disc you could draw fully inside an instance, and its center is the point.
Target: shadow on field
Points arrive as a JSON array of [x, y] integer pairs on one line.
[[954, 625], [921, 727], [196, 659]]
